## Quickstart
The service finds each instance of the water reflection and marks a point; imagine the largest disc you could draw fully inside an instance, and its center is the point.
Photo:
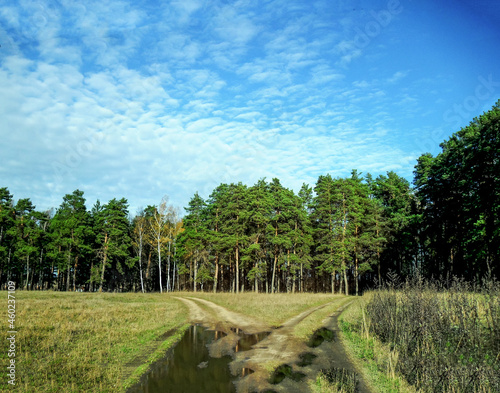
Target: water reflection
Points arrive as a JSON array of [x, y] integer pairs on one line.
[[190, 369]]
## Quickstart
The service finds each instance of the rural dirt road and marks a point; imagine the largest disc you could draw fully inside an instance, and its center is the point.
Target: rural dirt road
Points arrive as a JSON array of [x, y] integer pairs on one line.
[[278, 348]]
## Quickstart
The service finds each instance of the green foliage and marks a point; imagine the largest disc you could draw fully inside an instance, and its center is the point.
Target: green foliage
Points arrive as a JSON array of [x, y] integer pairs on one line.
[[112, 237], [459, 194]]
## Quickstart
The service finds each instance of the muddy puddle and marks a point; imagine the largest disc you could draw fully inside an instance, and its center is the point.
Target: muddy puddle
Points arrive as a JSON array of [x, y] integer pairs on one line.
[[198, 364]]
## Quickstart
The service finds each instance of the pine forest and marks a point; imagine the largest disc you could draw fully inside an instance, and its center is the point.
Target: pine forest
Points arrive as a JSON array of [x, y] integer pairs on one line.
[[340, 235]]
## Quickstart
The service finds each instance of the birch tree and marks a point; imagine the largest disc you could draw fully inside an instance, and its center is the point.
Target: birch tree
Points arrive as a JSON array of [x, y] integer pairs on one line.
[[159, 228], [138, 240]]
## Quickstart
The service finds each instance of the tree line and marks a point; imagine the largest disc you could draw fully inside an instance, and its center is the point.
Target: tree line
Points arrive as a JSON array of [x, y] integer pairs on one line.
[[340, 235]]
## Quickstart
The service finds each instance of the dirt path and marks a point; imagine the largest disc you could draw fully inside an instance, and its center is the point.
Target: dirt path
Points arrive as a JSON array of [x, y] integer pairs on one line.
[[280, 347], [196, 313], [247, 324], [335, 351]]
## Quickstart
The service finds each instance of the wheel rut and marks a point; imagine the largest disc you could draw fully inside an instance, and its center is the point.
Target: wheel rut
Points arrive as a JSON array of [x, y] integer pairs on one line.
[[279, 347]]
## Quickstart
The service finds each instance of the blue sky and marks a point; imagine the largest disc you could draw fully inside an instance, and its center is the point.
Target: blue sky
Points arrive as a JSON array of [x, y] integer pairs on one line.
[[138, 99]]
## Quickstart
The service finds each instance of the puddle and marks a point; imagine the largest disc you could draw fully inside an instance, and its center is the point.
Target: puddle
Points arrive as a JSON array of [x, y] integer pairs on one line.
[[246, 341], [306, 359], [284, 371], [189, 368], [319, 336], [246, 371]]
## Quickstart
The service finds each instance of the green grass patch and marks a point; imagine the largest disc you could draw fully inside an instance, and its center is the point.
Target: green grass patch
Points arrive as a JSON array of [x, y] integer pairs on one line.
[[374, 360]]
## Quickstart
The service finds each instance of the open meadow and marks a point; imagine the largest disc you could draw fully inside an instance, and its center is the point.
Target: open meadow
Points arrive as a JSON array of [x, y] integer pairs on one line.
[[102, 342], [404, 338]]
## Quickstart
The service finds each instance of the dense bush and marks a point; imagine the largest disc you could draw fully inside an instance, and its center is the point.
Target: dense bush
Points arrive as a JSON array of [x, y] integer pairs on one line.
[[447, 335]]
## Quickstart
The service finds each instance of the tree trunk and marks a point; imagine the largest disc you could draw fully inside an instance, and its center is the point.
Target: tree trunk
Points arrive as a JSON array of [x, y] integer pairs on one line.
[[159, 264], [27, 271], [175, 268], [346, 283], [49, 280], [256, 282], [69, 271], [237, 255], [301, 282], [91, 282], [148, 267], [216, 271], [195, 271], [104, 260], [274, 271], [31, 280], [140, 266], [378, 268], [222, 278], [74, 274], [378, 257], [8, 264], [344, 229], [40, 281], [356, 277], [168, 267]]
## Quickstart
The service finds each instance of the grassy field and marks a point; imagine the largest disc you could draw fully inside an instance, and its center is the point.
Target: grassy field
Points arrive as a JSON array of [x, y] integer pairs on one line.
[[83, 342], [434, 339], [90, 342]]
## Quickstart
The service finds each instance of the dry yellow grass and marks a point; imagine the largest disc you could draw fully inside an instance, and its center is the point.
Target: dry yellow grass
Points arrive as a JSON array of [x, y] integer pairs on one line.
[[91, 342], [309, 325], [272, 309], [75, 342]]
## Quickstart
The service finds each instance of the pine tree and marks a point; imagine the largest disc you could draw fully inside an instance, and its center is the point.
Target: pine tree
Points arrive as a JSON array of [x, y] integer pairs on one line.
[[71, 230], [279, 229], [259, 212], [216, 237], [234, 220], [24, 232], [112, 236], [193, 239], [7, 223]]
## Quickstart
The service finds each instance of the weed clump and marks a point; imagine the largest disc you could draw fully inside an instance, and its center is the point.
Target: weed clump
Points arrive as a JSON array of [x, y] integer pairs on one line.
[[339, 380], [446, 336]]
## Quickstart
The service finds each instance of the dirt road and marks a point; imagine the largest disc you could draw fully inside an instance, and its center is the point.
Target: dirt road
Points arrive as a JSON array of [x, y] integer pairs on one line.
[[278, 348]]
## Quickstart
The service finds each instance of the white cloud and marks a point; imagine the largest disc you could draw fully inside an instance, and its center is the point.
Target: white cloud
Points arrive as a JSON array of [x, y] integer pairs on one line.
[[120, 100], [397, 76]]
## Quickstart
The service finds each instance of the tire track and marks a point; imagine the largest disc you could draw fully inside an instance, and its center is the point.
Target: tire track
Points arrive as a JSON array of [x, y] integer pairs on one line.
[[280, 347], [248, 324]]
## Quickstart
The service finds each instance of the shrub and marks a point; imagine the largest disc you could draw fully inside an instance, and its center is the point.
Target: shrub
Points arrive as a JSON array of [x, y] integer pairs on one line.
[[447, 335]]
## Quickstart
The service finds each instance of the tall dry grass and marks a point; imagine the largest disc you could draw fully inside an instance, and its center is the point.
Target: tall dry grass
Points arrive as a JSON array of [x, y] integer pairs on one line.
[[445, 337]]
